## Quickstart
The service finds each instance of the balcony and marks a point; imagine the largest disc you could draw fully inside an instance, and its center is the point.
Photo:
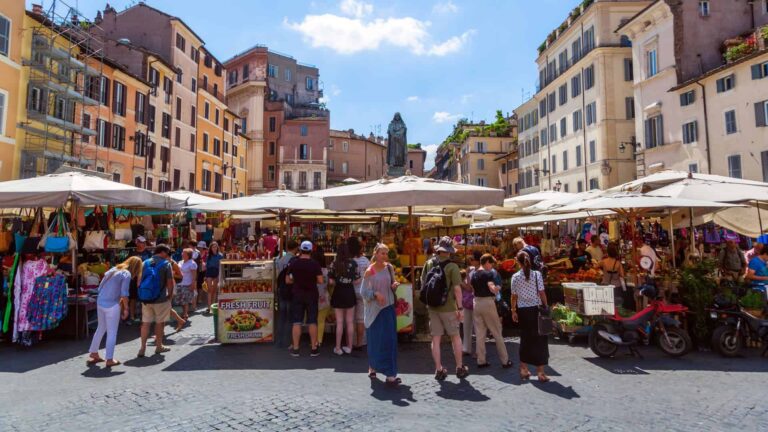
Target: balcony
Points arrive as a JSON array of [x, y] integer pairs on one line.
[[213, 92]]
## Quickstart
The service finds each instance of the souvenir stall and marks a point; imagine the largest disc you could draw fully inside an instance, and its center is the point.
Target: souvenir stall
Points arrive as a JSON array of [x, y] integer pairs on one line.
[[42, 289]]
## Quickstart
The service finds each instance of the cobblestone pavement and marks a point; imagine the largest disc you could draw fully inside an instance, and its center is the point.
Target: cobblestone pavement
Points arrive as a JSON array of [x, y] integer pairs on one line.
[[199, 386]]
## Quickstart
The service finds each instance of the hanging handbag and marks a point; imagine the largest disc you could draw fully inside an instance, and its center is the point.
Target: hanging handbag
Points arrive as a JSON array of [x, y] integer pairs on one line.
[[57, 239], [32, 242], [546, 326], [97, 237], [6, 239], [123, 234]]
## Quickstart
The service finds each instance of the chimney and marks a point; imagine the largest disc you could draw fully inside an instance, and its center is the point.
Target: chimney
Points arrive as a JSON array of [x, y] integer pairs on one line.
[[37, 9], [98, 18]]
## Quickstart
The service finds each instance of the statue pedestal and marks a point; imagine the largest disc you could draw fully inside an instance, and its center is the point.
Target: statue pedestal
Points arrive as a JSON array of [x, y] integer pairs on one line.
[[395, 171]]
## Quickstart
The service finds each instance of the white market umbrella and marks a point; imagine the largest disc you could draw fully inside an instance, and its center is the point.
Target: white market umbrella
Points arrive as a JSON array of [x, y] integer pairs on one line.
[[533, 220], [663, 178], [191, 198], [350, 180], [560, 201], [56, 190]]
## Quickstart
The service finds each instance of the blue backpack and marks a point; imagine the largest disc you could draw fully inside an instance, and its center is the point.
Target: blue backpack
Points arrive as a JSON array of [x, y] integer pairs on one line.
[[151, 286]]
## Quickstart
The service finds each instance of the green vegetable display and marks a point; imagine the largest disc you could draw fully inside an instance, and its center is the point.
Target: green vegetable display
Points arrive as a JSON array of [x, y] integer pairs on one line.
[[565, 316], [753, 300]]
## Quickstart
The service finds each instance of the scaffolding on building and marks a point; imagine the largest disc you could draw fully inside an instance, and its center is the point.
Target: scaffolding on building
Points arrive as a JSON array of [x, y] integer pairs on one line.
[[64, 58]]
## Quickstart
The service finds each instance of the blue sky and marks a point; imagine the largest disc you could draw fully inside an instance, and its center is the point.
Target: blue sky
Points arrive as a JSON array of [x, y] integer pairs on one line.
[[434, 61]]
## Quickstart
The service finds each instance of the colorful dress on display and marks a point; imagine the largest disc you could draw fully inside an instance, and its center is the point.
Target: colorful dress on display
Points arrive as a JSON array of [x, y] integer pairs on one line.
[[24, 288]]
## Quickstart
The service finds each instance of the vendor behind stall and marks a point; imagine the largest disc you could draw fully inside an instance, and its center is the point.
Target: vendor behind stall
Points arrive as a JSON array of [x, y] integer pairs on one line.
[[579, 256], [141, 249]]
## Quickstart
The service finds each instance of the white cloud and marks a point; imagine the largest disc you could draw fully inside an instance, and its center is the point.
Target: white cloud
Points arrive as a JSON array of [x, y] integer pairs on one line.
[[431, 150], [445, 7], [354, 33], [466, 97], [335, 90], [452, 45], [412, 98], [357, 9], [445, 117]]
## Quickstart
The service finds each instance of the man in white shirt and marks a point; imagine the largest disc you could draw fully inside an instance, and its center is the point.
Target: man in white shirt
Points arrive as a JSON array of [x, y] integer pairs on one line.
[[594, 249], [647, 250]]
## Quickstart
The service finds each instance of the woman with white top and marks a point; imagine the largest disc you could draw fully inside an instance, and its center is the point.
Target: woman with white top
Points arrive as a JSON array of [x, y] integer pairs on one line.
[[112, 304], [186, 290], [528, 297]]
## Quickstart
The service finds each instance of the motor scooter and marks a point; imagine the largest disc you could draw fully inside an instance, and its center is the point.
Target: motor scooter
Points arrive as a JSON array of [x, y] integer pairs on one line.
[[735, 326]]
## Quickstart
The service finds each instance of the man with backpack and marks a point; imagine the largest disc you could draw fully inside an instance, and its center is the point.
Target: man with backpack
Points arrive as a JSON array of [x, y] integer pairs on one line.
[[283, 329], [441, 292], [537, 263], [155, 294]]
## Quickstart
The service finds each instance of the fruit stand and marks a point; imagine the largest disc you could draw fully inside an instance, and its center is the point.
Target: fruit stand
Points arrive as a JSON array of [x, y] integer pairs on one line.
[[246, 301]]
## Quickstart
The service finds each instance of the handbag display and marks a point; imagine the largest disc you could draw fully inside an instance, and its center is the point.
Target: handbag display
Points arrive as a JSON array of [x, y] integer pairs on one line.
[[32, 241], [58, 238], [124, 234], [95, 240]]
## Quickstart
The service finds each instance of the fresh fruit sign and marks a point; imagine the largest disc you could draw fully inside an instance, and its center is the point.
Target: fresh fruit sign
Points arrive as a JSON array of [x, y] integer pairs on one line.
[[245, 317]]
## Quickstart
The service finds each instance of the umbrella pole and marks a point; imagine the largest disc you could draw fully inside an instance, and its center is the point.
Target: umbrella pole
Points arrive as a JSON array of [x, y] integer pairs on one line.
[[73, 221], [693, 231], [283, 234], [672, 238], [412, 257]]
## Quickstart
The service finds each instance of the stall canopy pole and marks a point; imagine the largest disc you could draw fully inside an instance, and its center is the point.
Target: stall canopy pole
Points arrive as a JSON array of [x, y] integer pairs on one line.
[[693, 232], [73, 221], [672, 238], [759, 218], [412, 257]]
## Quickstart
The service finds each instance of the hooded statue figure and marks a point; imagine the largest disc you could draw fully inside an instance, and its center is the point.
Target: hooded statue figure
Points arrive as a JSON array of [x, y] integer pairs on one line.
[[397, 147]]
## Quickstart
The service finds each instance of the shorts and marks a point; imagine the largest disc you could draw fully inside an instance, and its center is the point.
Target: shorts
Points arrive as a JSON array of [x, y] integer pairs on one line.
[[183, 294], [360, 311], [441, 323], [301, 306], [212, 272], [156, 312]]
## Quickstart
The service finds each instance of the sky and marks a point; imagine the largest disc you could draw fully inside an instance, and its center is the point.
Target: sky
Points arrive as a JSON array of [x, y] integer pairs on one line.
[[434, 61]]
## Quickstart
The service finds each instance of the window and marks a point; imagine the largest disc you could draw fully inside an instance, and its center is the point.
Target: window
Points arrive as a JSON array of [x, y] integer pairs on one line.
[[563, 60], [565, 160], [304, 130], [216, 115], [178, 108], [181, 43], [554, 164], [192, 185], [577, 120], [140, 145], [480, 147], [176, 179], [551, 101], [205, 142], [86, 119], [192, 142], [139, 113], [207, 110], [651, 63], [194, 85], [206, 180], [589, 39], [225, 148], [591, 113], [704, 8], [730, 122], [344, 167], [178, 137], [303, 151], [690, 133], [594, 184], [543, 108], [761, 113], [166, 130], [154, 77], [764, 163], [693, 168], [232, 77], [481, 181], [734, 166], [726, 83], [578, 155], [481, 164], [759, 71], [345, 146], [272, 124], [194, 54], [244, 123], [5, 36], [576, 50], [575, 86], [654, 128], [331, 165], [589, 77], [629, 106], [272, 71], [118, 137], [687, 98], [167, 88], [543, 135], [563, 91], [193, 117], [563, 127], [104, 91], [271, 173], [317, 179], [179, 77], [165, 154], [310, 83], [149, 183], [765, 6], [152, 112], [226, 124], [592, 151], [552, 133], [216, 147], [102, 133], [288, 75], [628, 73], [217, 182], [271, 148], [579, 186]]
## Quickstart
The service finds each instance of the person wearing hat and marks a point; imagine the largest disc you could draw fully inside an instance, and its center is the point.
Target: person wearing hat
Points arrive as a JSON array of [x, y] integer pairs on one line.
[[445, 319], [141, 249], [305, 274], [731, 260]]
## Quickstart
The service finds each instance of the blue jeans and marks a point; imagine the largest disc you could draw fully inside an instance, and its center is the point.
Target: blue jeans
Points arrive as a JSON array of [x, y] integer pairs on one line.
[[284, 324]]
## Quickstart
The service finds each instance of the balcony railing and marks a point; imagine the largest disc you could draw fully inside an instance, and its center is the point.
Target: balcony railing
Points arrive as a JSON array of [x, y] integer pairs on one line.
[[213, 92]]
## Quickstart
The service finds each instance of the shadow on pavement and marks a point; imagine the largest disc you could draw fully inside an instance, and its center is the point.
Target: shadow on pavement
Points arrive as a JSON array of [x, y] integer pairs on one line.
[[99, 371], [556, 389], [401, 396], [151, 359], [461, 391], [655, 360]]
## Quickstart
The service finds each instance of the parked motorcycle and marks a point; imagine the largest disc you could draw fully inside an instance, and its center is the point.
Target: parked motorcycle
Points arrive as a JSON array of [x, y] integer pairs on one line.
[[735, 326], [653, 322]]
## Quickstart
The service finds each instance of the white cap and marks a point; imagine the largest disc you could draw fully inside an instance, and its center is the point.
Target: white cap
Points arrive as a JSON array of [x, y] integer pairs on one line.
[[141, 239], [202, 244], [306, 246]]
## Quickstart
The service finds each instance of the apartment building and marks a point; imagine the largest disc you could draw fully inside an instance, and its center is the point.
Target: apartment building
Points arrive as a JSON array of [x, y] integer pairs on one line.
[[446, 167], [121, 121], [478, 150], [12, 18], [700, 89], [355, 156], [530, 134], [508, 164], [210, 127], [417, 157], [177, 44], [581, 111]]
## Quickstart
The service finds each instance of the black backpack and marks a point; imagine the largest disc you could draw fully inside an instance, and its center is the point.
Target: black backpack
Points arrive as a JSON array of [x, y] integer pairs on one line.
[[284, 290], [434, 292]]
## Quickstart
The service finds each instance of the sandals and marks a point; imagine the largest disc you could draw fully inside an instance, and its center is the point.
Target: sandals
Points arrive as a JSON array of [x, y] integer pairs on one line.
[[180, 325], [525, 375], [164, 349], [543, 378], [462, 372], [141, 354], [394, 383], [93, 360], [441, 375], [507, 365], [483, 365], [114, 363]]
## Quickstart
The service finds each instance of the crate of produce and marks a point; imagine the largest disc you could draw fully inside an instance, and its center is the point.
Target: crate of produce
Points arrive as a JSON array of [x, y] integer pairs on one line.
[[589, 298]]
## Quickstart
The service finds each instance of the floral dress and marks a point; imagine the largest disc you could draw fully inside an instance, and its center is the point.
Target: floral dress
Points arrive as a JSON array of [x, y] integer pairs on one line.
[[24, 288]]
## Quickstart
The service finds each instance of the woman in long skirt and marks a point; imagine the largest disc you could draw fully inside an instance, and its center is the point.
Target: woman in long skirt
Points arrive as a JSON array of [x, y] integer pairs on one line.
[[527, 297], [378, 292]]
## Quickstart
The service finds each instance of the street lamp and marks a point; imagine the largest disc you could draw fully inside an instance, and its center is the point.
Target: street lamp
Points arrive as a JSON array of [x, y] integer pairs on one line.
[[557, 186]]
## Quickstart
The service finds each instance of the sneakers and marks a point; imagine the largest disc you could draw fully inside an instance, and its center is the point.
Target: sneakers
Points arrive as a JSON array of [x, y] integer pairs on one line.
[[347, 350], [315, 352], [294, 352], [338, 352]]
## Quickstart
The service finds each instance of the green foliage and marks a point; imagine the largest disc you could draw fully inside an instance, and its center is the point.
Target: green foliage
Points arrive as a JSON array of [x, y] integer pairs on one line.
[[698, 286], [542, 47], [753, 300], [764, 32], [586, 3], [500, 125], [415, 146], [736, 52]]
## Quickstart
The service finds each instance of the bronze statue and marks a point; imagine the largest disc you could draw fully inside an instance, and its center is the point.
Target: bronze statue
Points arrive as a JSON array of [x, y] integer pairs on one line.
[[397, 147]]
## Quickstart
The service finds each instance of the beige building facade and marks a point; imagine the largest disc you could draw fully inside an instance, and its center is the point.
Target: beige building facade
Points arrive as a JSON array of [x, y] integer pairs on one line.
[[581, 114], [695, 111], [355, 156], [416, 159], [477, 160]]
